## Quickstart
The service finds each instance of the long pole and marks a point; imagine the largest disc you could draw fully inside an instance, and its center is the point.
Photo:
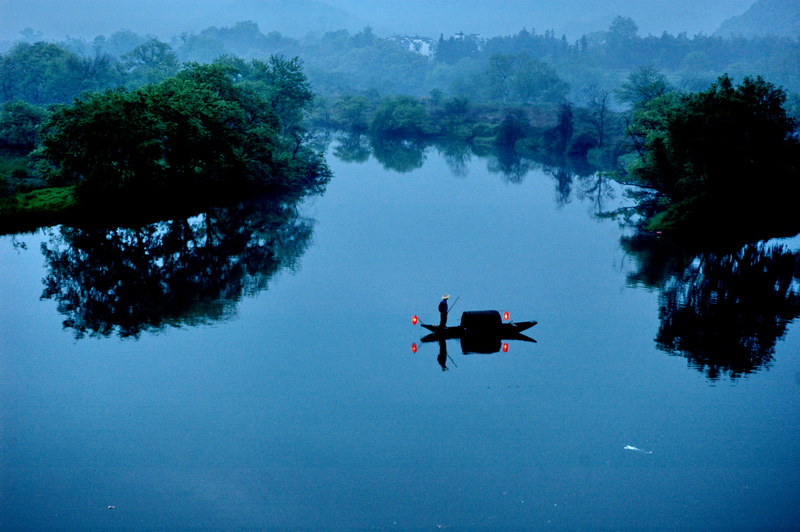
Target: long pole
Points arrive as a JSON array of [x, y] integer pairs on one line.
[[454, 304]]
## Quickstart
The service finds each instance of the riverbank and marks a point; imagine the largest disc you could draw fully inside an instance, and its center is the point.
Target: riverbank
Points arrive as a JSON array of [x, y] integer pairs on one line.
[[25, 211]]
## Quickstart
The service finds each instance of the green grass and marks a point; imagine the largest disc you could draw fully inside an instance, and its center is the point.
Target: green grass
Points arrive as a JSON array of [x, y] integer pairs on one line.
[[28, 210], [53, 199]]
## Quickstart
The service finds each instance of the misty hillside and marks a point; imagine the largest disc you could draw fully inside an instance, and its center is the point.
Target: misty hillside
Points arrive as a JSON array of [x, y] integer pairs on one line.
[[570, 17], [765, 17], [165, 18]]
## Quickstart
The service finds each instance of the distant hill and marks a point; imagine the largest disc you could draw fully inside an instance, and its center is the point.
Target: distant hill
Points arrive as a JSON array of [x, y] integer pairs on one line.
[[295, 18], [166, 18], [765, 17], [570, 17]]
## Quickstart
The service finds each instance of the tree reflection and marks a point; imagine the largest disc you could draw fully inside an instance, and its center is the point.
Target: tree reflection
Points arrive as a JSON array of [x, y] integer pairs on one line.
[[723, 311], [397, 154], [564, 179], [179, 272], [598, 188], [456, 155], [353, 149], [511, 165]]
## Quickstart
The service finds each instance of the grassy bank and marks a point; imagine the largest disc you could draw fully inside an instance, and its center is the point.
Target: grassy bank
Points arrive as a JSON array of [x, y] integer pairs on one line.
[[26, 211]]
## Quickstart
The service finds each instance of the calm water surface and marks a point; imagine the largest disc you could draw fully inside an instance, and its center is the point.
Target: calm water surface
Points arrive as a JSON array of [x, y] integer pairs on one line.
[[277, 388]]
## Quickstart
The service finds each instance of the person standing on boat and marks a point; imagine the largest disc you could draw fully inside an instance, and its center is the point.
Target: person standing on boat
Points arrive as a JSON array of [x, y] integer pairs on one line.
[[443, 311]]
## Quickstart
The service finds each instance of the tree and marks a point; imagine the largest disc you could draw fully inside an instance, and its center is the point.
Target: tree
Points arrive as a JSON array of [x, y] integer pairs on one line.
[[352, 113], [287, 89], [598, 106], [400, 116], [40, 73], [195, 135], [20, 124], [643, 85], [515, 126], [622, 31], [150, 62], [537, 82], [720, 161], [454, 49], [557, 139], [520, 79]]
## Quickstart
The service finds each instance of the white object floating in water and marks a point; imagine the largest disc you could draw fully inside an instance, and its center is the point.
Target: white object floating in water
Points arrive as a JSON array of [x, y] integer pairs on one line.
[[632, 448]]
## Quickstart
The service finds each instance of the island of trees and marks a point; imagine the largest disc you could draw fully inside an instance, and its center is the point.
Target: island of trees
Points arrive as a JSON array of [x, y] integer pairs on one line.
[[208, 134], [707, 144]]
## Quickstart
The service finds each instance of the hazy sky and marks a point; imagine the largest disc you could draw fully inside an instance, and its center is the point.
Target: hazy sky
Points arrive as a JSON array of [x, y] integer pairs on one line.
[[88, 18]]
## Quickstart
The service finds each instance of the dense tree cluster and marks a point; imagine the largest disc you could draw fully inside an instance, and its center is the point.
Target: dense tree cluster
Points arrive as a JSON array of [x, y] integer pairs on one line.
[[209, 130], [721, 161]]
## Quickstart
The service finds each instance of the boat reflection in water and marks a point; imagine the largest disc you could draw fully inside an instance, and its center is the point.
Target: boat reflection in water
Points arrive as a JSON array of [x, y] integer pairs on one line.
[[480, 332]]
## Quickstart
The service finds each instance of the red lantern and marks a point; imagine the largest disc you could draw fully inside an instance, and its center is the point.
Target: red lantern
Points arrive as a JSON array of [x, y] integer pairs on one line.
[[506, 315], [414, 320], [413, 348], [505, 348]]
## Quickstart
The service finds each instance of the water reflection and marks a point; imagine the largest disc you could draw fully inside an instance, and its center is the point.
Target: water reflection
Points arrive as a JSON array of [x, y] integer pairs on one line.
[[456, 155], [724, 312], [397, 154], [353, 149], [403, 155], [511, 165], [472, 345], [181, 272]]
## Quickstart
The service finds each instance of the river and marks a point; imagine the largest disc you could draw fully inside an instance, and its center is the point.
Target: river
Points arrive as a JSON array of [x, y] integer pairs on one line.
[[259, 368]]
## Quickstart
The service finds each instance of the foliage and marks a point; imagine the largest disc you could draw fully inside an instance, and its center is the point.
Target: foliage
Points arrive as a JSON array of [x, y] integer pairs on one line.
[[557, 139], [400, 116], [643, 85], [243, 39], [150, 62], [285, 87], [27, 210], [514, 127], [352, 113], [43, 73], [20, 124], [193, 135], [456, 48], [520, 79], [722, 160]]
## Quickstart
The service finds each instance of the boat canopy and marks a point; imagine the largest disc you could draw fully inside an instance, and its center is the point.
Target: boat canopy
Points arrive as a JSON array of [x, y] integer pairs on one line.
[[481, 319]]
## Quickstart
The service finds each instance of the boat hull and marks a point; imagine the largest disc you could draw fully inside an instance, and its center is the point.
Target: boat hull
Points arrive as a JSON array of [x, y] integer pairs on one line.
[[503, 330]]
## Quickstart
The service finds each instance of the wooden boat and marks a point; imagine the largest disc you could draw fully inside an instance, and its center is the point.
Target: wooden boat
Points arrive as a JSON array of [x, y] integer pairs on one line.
[[485, 323], [480, 332]]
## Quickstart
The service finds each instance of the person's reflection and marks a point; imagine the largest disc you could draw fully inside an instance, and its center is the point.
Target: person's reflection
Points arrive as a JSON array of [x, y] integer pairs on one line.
[[442, 358]]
